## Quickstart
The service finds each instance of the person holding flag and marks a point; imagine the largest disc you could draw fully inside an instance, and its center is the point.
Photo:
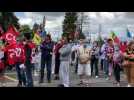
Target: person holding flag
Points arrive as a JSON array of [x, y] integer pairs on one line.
[[10, 44], [36, 35]]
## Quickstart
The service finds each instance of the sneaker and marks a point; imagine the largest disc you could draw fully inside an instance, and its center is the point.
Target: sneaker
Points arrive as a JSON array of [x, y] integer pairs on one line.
[[3, 84], [61, 85], [118, 84], [107, 78], [86, 84], [56, 78], [49, 81], [41, 81], [81, 83], [19, 85], [128, 85], [96, 76], [35, 74]]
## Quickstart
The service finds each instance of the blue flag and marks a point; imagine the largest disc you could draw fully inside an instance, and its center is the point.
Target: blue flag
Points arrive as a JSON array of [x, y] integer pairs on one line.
[[129, 34], [43, 34]]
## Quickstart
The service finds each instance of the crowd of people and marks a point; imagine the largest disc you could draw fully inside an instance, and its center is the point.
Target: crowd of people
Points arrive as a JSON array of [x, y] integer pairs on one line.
[[57, 57]]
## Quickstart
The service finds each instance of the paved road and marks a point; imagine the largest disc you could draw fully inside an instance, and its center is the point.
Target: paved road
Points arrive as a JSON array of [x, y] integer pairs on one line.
[[74, 81]]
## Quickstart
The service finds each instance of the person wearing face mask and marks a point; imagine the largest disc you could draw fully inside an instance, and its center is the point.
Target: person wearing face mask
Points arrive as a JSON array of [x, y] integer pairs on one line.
[[117, 61], [94, 58]]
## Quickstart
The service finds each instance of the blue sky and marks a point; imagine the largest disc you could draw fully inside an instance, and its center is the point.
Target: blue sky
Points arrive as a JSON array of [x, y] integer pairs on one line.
[[21, 14]]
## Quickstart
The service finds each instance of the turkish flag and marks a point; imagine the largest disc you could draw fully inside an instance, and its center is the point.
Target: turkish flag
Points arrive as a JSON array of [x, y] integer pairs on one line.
[[11, 34]]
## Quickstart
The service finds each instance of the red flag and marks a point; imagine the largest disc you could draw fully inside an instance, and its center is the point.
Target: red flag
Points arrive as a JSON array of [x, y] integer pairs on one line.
[[12, 29], [11, 34], [116, 40]]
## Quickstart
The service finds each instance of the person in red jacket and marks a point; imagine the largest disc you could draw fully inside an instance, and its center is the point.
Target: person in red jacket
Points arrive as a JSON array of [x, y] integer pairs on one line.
[[9, 50], [20, 60]]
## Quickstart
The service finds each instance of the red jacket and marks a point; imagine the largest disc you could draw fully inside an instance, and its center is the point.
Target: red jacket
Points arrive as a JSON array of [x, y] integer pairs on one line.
[[28, 56], [123, 48], [10, 53], [20, 56], [57, 48]]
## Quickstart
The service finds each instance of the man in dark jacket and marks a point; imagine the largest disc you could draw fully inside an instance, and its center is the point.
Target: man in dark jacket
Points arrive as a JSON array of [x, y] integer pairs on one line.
[[28, 45], [46, 58]]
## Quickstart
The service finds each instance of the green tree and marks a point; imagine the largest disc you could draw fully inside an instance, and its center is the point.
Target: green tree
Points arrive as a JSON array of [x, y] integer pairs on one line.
[[24, 29], [82, 36], [69, 24], [7, 18]]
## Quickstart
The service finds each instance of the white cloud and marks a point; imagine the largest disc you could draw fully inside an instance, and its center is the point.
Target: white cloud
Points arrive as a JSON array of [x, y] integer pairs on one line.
[[117, 21], [24, 21]]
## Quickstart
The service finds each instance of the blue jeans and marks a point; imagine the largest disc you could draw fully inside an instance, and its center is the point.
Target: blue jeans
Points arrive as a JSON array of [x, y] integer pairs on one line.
[[106, 67], [47, 63], [29, 75], [20, 74]]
